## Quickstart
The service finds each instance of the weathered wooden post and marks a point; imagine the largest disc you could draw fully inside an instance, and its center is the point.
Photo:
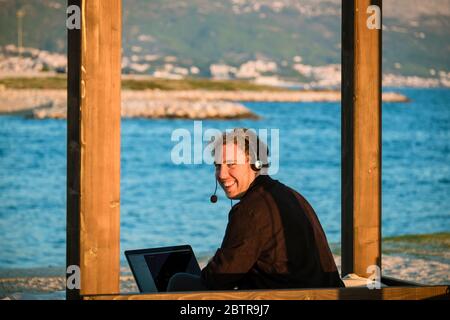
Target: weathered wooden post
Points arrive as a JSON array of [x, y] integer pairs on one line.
[[361, 137], [93, 147]]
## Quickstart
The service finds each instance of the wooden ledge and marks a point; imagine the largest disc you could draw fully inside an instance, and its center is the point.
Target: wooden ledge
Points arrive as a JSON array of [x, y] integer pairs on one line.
[[390, 293]]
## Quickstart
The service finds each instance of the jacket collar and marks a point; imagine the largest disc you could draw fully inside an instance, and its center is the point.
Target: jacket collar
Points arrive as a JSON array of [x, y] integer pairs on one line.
[[262, 181]]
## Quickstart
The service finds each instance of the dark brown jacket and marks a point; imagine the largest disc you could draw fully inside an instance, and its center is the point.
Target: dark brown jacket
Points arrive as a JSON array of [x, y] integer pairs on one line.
[[273, 240]]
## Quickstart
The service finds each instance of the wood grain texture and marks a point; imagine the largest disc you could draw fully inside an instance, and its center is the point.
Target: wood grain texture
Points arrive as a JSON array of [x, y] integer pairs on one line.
[[100, 146], [392, 293], [95, 224], [361, 140]]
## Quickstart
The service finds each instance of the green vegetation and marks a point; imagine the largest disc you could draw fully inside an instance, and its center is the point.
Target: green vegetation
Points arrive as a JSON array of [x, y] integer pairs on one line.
[[426, 246], [59, 82], [193, 84], [435, 246], [441, 239]]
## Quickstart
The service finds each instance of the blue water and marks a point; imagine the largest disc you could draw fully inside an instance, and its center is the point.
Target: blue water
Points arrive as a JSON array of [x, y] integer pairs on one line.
[[164, 204]]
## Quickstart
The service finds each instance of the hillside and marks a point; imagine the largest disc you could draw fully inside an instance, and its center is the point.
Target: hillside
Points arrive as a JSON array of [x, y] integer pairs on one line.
[[201, 33]]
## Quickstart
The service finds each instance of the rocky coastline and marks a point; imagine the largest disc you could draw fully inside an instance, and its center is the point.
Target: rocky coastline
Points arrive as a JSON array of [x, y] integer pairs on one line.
[[157, 104]]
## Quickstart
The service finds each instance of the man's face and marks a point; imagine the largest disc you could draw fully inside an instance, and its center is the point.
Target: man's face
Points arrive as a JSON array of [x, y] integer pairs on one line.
[[234, 174]]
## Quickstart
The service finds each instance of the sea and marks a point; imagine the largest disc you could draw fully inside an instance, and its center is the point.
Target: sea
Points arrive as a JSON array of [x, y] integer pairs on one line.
[[165, 202]]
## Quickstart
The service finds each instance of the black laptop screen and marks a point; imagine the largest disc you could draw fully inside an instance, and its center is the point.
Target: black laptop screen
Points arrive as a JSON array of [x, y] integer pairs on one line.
[[152, 268], [165, 265]]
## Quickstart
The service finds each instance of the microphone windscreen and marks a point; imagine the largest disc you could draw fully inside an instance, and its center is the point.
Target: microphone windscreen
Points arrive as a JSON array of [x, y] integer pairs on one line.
[[213, 198]]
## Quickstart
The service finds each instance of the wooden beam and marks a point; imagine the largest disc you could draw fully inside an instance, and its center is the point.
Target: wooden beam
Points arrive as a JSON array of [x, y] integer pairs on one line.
[[73, 149], [93, 183], [392, 293], [361, 139]]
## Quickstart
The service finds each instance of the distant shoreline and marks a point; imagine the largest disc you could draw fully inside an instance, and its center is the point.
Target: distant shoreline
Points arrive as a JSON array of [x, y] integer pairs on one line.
[[53, 81], [198, 103]]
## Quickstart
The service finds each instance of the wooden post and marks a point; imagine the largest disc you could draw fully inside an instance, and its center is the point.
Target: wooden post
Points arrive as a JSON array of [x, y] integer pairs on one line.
[[361, 139], [93, 147]]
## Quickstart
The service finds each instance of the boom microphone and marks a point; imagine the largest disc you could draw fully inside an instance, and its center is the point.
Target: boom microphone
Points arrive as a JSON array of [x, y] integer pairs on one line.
[[213, 197]]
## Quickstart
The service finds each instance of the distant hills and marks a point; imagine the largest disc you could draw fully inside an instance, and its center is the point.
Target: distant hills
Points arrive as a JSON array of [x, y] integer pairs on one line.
[[416, 38]]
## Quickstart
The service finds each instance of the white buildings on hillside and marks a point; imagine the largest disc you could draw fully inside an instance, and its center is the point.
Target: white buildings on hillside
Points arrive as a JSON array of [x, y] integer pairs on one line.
[[248, 70], [30, 60], [262, 71]]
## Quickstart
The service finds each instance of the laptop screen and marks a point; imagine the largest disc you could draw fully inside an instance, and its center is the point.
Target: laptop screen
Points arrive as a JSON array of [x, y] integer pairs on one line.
[[152, 268]]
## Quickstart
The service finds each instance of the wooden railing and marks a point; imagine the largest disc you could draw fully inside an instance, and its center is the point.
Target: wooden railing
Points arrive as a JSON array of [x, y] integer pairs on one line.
[[390, 293]]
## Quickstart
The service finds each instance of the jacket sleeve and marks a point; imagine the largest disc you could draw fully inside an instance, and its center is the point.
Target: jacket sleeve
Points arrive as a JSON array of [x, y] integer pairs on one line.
[[246, 233]]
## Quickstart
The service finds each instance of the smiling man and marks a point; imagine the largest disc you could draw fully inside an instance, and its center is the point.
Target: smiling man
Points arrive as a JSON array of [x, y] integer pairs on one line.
[[273, 238], [234, 178]]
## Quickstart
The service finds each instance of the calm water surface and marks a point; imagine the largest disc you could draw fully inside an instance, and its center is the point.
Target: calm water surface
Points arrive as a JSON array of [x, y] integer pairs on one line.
[[165, 204]]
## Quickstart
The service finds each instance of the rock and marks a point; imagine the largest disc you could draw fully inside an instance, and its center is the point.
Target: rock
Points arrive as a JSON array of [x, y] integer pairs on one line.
[[182, 109], [193, 104]]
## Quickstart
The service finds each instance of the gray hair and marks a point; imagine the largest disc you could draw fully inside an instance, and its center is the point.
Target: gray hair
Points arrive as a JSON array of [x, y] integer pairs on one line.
[[246, 139]]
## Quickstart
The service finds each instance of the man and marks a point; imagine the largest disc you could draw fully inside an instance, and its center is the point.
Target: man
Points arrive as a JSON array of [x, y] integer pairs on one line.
[[273, 238]]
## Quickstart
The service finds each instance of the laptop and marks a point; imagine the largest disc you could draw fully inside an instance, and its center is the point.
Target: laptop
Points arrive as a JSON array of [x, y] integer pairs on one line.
[[152, 268]]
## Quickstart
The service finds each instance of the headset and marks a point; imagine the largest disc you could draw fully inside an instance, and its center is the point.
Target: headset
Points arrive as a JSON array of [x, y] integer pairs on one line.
[[258, 163]]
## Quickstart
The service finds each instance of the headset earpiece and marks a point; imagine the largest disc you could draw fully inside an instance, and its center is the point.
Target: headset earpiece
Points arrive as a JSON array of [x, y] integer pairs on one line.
[[257, 165]]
